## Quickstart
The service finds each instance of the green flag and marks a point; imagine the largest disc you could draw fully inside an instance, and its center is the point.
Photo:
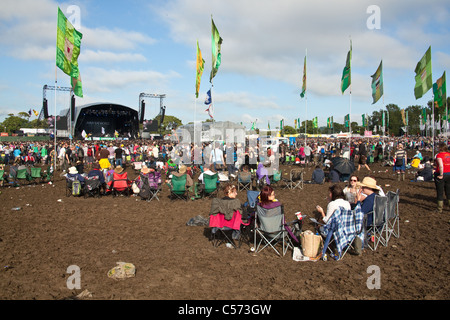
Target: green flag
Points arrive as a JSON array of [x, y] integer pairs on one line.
[[68, 41], [377, 83], [439, 91], [424, 115], [424, 81], [200, 68], [216, 42], [315, 124], [302, 94], [347, 120], [268, 124], [364, 120], [347, 72]]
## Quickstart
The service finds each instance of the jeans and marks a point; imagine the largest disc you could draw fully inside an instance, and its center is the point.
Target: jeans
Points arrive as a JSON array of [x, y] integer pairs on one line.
[[442, 186]]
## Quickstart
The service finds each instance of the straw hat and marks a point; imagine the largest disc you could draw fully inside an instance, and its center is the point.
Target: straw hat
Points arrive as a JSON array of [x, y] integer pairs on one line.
[[368, 182], [118, 169], [145, 170], [182, 169], [73, 170]]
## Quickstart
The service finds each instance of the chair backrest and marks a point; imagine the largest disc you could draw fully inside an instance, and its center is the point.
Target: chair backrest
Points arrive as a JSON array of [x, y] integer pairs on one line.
[[277, 176], [120, 181], [179, 183], [2, 172], [22, 174], [252, 197], [391, 207], [296, 175], [244, 177], [210, 182], [154, 179], [270, 220], [379, 209], [36, 172]]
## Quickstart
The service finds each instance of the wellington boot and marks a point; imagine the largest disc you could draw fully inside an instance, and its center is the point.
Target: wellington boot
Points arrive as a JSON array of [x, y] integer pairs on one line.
[[403, 177], [440, 206], [398, 177]]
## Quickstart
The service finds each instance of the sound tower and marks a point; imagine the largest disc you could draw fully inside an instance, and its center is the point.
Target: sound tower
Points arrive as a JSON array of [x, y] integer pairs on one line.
[[141, 120], [72, 108], [45, 107]]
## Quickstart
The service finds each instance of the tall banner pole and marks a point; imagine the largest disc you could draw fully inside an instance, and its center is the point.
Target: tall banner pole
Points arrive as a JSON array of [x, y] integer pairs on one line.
[[54, 136]]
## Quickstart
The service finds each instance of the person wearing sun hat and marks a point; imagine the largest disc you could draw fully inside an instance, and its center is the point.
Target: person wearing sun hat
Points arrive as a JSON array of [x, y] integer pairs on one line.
[[368, 189], [73, 174]]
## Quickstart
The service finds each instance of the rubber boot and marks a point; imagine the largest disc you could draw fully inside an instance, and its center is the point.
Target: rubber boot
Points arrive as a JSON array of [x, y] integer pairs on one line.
[[440, 206], [398, 176], [403, 176]]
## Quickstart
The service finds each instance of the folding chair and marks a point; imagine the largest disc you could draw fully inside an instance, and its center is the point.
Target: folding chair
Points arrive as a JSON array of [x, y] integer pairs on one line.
[[296, 177], [226, 231], [244, 181], [210, 188], [341, 230], [271, 230], [2, 178], [154, 180], [92, 186], [376, 232], [36, 174], [392, 215], [120, 185], [137, 166], [178, 188], [276, 178], [22, 176]]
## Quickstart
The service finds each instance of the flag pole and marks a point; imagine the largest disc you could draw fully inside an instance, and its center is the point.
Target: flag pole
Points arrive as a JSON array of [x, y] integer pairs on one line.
[[306, 101], [54, 136]]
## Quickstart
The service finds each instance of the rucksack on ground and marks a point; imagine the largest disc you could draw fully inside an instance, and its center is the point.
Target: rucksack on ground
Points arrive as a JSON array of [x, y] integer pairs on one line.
[[76, 188]]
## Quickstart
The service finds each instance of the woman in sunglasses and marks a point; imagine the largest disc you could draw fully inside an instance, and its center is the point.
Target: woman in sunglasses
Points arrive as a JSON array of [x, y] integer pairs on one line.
[[351, 190]]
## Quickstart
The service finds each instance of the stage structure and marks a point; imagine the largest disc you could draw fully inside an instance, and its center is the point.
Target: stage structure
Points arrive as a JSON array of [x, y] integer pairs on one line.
[[151, 125]]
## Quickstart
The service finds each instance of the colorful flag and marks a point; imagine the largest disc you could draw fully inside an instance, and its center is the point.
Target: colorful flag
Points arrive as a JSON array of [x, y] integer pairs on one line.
[[302, 94], [347, 120], [440, 91], [315, 124], [200, 68], [424, 115], [377, 83], [281, 124], [423, 77], [208, 101], [68, 41], [364, 120], [35, 113], [29, 112], [216, 43], [346, 80], [268, 124]]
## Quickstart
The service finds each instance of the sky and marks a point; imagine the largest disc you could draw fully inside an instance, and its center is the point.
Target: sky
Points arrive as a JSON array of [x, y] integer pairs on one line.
[[138, 46]]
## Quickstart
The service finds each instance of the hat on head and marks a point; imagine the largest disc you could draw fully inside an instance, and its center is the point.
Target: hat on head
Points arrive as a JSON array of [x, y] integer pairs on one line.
[[118, 169], [182, 169], [145, 170], [369, 182], [73, 170]]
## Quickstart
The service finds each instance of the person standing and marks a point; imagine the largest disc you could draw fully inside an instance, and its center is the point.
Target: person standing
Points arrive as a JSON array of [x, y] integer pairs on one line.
[[400, 158], [442, 176]]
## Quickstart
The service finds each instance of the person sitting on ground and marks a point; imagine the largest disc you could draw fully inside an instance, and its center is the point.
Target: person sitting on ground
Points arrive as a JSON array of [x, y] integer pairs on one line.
[[337, 199], [318, 176], [333, 175], [425, 174]]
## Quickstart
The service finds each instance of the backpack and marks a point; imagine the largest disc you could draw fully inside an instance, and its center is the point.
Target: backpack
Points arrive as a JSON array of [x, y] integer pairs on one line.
[[76, 188], [89, 152]]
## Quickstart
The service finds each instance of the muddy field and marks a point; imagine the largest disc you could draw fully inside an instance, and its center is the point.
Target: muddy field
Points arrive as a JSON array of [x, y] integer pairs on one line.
[[177, 262]]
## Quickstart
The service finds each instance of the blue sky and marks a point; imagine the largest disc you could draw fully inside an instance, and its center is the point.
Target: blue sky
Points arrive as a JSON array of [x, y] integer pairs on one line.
[[150, 46]]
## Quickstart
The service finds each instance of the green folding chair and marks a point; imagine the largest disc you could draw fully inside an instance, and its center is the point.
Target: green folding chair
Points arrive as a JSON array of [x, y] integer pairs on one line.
[[22, 176], [211, 188], [2, 179], [36, 176], [178, 188]]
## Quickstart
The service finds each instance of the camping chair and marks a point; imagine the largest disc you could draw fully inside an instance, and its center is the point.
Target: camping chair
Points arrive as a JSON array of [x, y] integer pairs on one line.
[[275, 178], [210, 188], [392, 216], [69, 189], [178, 188], [296, 177], [270, 229], [2, 178], [92, 186], [120, 185], [244, 181], [22, 176], [341, 230], [221, 228], [378, 229], [36, 174], [153, 185], [248, 213]]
